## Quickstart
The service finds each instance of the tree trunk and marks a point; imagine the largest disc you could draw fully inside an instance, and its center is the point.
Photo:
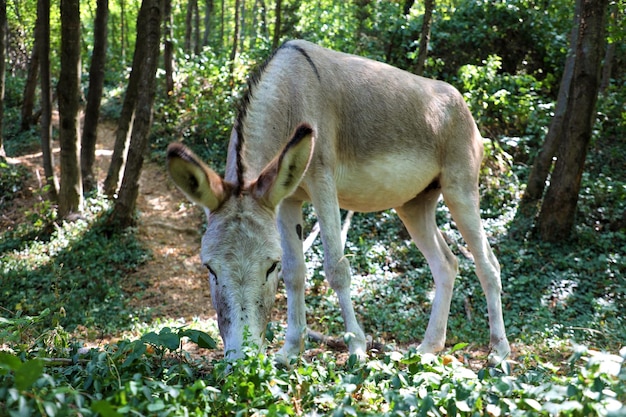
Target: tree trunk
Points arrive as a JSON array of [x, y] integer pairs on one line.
[[196, 29], [124, 208], [559, 207], [233, 51], [222, 25], [71, 190], [127, 116], [123, 30], [607, 68], [242, 24], [189, 25], [531, 199], [3, 47], [43, 15], [429, 6], [609, 57], [208, 13], [277, 21], [94, 96], [168, 49], [30, 87]]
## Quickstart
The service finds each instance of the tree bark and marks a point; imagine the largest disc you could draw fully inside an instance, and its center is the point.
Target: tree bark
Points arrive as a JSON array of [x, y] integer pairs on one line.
[[429, 6], [556, 218], [233, 50], [531, 199], [609, 57], [3, 48], [70, 192], [208, 13], [168, 49], [277, 22], [43, 15], [196, 29], [222, 25], [189, 24], [127, 116], [94, 96], [30, 87], [124, 207]]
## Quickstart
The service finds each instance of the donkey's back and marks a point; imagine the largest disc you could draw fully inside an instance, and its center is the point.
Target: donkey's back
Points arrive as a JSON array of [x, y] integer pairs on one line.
[[376, 125]]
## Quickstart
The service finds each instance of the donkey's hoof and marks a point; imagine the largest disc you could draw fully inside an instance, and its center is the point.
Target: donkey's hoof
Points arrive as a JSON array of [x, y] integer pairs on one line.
[[499, 353]]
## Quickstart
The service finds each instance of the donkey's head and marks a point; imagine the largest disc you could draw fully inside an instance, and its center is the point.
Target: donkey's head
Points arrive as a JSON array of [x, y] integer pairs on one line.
[[241, 247]]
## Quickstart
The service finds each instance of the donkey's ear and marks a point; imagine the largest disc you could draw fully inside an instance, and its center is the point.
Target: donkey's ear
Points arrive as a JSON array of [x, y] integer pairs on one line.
[[199, 182], [283, 174]]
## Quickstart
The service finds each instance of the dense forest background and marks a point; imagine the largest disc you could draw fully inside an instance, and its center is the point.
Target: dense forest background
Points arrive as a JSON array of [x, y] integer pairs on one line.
[[546, 83]]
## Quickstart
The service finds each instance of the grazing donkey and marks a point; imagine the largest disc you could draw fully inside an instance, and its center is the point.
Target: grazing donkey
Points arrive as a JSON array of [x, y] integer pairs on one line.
[[336, 130]]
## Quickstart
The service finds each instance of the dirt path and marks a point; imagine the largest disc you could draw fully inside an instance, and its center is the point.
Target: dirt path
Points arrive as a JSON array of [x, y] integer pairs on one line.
[[173, 280]]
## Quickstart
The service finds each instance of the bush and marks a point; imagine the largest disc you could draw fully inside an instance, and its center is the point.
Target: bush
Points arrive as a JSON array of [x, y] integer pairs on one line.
[[153, 375]]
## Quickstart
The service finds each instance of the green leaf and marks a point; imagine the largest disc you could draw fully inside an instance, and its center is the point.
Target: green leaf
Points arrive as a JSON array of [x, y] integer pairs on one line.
[[201, 338], [158, 405], [9, 361], [104, 409], [458, 346], [169, 340], [28, 373]]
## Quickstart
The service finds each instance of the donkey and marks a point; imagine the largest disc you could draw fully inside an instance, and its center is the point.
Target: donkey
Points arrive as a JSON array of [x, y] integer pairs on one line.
[[339, 131]]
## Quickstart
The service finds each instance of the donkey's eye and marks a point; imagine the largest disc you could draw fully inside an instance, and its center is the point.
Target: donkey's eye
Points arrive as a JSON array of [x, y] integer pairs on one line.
[[211, 272], [272, 269]]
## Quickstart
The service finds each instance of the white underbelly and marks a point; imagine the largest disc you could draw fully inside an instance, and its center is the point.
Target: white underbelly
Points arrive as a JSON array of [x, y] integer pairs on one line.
[[387, 182]]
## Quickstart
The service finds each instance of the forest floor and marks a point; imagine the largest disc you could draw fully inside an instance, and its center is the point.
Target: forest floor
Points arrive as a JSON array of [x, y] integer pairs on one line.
[[171, 284]]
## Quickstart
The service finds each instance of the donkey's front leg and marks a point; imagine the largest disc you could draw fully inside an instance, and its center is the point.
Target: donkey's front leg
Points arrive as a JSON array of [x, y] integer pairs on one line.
[[336, 265], [294, 271]]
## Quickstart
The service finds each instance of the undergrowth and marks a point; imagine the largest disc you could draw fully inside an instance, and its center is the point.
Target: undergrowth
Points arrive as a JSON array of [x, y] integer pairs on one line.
[[154, 375]]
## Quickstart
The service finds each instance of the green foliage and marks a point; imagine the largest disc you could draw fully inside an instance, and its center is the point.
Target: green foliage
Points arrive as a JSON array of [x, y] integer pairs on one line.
[[531, 36], [11, 181], [504, 104], [75, 268], [153, 375]]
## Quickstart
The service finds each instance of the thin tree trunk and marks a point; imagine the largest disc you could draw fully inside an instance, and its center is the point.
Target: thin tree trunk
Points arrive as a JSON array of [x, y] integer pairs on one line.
[[242, 24], [127, 116], [196, 29], [556, 218], [124, 208], [188, 25], [30, 87], [607, 67], [123, 30], [3, 47], [233, 51], [222, 25], [429, 6], [94, 96], [43, 15], [277, 23], [208, 13], [71, 190], [168, 49]]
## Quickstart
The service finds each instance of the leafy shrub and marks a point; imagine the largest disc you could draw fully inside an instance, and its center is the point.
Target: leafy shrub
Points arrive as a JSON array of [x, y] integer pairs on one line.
[[11, 181], [154, 375], [504, 104], [78, 269], [530, 36]]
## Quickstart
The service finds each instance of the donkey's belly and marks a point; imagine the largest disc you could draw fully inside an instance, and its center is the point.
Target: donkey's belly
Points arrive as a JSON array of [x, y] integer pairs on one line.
[[383, 183]]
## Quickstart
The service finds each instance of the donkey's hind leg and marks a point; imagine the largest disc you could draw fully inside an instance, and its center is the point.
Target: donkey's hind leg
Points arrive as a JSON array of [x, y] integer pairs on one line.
[[418, 215], [462, 198]]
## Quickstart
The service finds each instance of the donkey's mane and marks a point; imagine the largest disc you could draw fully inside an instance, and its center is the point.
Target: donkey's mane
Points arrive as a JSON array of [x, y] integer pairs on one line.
[[244, 104]]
